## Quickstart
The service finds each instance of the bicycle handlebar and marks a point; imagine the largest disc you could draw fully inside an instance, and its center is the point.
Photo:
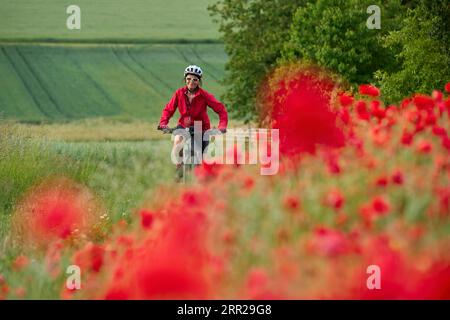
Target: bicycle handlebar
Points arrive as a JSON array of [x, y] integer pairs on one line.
[[167, 130]]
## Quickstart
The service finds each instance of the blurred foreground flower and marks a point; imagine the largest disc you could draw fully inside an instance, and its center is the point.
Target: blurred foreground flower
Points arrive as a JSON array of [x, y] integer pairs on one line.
[[55, 209]]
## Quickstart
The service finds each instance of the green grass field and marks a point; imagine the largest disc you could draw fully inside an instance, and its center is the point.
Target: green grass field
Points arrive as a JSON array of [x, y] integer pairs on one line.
[[67, 82], [120, 172], [107, 20]]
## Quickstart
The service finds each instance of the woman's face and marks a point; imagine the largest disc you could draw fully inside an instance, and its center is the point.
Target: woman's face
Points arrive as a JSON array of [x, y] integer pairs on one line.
[[191, 82]]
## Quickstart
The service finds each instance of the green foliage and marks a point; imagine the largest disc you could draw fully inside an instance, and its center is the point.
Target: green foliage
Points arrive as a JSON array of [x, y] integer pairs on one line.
[[254, 33], [424, 59], [259, 35], [24, 161], [334, 34]]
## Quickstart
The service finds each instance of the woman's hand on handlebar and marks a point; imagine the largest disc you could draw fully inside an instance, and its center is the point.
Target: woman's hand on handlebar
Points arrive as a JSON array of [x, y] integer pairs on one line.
[[164, 129], [218, 131]]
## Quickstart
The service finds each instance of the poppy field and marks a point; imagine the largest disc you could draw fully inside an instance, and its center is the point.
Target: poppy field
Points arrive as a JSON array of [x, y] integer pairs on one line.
[[361, 186]]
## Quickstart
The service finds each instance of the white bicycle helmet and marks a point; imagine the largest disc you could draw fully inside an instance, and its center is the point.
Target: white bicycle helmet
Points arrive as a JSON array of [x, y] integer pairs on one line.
[[193, 69]]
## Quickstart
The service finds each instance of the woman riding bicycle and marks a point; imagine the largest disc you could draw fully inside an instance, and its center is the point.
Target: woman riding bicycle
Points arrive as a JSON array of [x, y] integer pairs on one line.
[[191, 101]]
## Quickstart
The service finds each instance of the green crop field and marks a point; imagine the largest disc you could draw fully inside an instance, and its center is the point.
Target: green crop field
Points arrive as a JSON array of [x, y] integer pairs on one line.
[[124, 62], [67, 82], [107, 20], [115, 169]]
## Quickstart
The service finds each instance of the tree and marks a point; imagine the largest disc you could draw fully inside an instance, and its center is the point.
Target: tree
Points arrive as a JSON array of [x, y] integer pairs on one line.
[[424, 58], [409, 53], [254, 32], [334, 34]]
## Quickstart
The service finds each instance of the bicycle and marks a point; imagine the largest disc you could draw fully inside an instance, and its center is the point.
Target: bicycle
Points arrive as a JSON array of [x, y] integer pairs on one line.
[[195, 156]]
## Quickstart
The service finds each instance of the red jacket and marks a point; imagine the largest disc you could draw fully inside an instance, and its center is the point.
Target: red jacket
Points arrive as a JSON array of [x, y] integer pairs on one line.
[[194, 111]]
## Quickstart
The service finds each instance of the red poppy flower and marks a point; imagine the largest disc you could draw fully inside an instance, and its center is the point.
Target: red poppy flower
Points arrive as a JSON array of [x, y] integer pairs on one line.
[[407, 138], [369, 90], [20, 262], [291, 203], [205, 171], [437, 95], [397, 177], [405, 103], [446, 142], [439, 131], [249, 182], [361, 110], [171, 265], [334, 199], [302, 112], [55, 209], [146, 218], [90, 257], [382, 181], [424, 147], [423, 101], [435, 283], [345, 99], [376, 110], [330, 243], [447, 87], [344, 115], [381, 205]]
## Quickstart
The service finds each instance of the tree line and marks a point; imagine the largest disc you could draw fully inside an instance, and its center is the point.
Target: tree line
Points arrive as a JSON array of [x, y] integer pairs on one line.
[[409, 53]]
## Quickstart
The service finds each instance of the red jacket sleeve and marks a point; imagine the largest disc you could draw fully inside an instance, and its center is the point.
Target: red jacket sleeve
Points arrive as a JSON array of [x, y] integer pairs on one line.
[[218, 108], [169, 110]]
